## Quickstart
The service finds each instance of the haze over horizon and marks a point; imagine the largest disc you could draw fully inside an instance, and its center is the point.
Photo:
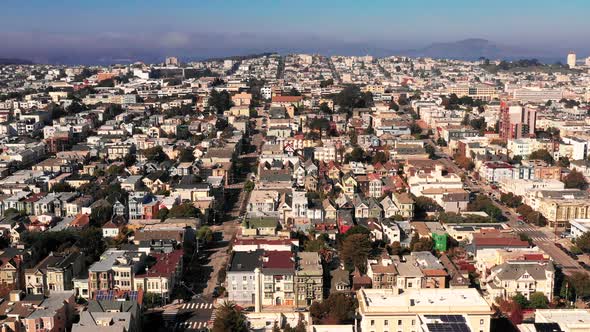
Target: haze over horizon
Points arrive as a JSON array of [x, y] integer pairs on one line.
[[110, 31]]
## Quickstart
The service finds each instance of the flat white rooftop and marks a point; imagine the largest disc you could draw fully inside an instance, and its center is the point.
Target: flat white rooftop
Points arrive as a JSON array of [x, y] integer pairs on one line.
[[567, 317], [422, 300]]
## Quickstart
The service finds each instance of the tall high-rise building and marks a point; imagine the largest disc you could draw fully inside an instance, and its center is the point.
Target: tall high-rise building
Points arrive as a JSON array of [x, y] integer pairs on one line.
[[516, 121], [588, 61], [171, 61], [571, 59]]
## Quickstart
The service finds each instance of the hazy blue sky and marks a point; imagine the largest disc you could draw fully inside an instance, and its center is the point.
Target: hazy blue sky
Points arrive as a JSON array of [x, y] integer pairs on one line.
[[191, 27]]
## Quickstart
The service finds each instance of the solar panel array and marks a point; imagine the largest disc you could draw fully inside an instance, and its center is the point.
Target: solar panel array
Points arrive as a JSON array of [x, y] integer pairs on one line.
[[110, 295], [446, 318], [446, 323], [105, 295], [448, 327]]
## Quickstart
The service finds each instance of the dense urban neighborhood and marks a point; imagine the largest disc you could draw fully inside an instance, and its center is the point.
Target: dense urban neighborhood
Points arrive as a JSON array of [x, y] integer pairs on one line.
[[295, 193]]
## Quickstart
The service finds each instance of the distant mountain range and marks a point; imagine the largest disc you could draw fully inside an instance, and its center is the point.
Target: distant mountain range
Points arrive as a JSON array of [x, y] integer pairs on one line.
[[14, 61], [475, 48], [467, 49]]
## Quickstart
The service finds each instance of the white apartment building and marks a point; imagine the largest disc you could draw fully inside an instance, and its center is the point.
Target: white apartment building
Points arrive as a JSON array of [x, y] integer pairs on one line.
[[520, 187], [325, 153], [520, 147], [579, 147], [414, 309], [579, 227], [524, 277], [435, 180]]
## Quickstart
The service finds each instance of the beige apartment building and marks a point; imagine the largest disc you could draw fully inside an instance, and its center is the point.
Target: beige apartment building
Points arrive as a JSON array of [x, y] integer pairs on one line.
[[55, 273], [524, 277], [411, 309], [309, 278]]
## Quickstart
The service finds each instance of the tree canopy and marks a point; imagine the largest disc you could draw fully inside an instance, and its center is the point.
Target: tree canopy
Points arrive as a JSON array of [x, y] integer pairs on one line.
[[229, 318], [542, 154], [155, 154], [583, 242], [351, 97], [338, 308], [184, 210], [575, 180], [220, 101], [355, 250]]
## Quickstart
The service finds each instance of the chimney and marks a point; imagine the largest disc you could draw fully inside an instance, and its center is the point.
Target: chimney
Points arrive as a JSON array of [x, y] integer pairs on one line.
[[257, 290], [15, 296]]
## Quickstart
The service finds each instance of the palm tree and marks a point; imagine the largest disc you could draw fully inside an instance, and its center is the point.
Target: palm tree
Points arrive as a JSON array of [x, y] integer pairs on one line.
[[229, 318]]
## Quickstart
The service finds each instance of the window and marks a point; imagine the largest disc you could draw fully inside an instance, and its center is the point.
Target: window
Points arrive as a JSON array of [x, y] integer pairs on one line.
[[413, 322], [372, 322], [386, 322], [399, 322], [481, 322], [244, 278]]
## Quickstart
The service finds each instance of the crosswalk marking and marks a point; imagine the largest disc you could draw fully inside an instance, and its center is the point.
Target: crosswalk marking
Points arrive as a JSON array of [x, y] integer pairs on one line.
[[197, 306], [191, 325]]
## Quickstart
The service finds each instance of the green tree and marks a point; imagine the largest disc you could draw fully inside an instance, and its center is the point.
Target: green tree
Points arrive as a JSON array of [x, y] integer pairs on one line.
[[521, 300], [351, 97], [321, 124], [418, 243], [464, 162], [379, 157], [229, 318], [478, 124], [357, 154], [511, 200], [563, 162], [423, 205], [205, 234], [338, 308], [485, 204], [326, 83], [293, 92], [220, 101], [542, 154], [300, 327], [430, 150], [583, 242], [355, 250], [101, 214], [163, 213], [580, 281], [152, 300], [115, 169], [249, 186], [184, 210], [155, 154], [393, 106], [538, 300], [575, 180], [62, 187], [315, 245], [186, 156], [324, 108]]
